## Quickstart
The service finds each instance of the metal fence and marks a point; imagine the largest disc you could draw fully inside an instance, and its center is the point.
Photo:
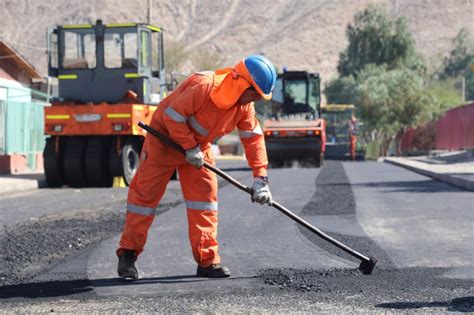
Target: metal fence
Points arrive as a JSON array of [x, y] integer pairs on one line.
[[21, 129], [455, 129], [452, 131]]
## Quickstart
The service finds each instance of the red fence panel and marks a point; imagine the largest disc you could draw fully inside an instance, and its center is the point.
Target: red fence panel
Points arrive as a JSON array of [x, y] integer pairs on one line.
[[455, 130], [407, 140], [420, 139]]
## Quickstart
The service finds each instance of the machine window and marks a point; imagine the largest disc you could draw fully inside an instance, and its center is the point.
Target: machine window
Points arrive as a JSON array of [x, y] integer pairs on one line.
[[120, 50], [278, 91], [314, 94], [79, 50], [274, 106], [295, 91], [113, 50], [145, 49], [53, 49], [155, 52], [295, 97]]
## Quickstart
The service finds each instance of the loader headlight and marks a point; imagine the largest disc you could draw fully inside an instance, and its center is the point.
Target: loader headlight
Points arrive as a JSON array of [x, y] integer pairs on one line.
[[275, 133], [57, 128]]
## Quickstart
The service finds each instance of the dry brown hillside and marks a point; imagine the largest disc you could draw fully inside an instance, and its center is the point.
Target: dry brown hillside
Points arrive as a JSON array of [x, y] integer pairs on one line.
[[299, 34]]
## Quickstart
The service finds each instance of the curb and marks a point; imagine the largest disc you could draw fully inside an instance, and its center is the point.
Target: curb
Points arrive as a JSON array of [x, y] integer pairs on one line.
[[13, 185], [453, 180]]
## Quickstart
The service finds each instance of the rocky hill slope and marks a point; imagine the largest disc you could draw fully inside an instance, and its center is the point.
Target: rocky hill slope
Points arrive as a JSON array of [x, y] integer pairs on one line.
[[298, 34]]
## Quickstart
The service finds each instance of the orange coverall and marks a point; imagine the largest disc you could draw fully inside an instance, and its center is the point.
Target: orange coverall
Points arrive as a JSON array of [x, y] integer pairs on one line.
[[352, 138], [201, 110]]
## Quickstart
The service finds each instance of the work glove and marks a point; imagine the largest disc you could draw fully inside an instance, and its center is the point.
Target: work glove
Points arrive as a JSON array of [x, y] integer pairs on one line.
[[261, 191], [195, 157]]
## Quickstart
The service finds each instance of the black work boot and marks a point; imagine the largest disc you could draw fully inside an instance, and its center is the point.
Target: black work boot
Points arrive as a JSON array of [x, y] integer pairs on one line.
[[126, 266], [213, 271]]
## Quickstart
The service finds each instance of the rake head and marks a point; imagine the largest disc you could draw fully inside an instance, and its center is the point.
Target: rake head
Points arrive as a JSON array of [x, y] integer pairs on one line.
[[366, 266]]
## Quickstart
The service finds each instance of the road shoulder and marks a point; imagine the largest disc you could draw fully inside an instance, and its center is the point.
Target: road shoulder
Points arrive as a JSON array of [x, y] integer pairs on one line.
[[459, 173]]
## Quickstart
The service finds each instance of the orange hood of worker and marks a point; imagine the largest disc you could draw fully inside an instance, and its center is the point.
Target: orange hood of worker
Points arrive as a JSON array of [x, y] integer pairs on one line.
[[229, 84]]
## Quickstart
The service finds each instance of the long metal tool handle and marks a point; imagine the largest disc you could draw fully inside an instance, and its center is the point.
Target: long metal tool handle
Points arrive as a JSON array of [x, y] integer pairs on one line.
[[249, 190], [178, 148]]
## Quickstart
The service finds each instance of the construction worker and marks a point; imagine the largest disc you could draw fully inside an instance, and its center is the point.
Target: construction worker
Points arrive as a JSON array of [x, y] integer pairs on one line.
[[353, 137], [203, 108]]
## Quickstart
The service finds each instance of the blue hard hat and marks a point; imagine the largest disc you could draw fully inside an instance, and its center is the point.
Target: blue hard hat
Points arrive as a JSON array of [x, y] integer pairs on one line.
[[263, 74]]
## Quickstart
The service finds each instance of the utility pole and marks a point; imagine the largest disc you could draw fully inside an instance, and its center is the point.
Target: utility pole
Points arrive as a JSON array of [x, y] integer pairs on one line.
[[149, 12]]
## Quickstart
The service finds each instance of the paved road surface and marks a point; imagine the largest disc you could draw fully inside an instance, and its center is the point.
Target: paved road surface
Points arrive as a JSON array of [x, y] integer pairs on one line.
[[419, 228]]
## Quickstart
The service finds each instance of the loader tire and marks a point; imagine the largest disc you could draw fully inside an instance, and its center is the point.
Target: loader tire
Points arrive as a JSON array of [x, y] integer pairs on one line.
[[74, 158], [96, 163], [131, 158], [53, 166]]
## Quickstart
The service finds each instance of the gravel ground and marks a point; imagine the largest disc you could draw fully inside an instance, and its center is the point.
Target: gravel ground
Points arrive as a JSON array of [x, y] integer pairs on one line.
[[391, 288], [267, 301], [255, 303]]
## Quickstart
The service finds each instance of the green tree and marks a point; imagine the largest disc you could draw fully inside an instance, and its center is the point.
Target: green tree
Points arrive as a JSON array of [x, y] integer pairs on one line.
[[383, 75], [390, 101], [461, 56], [446, 85], [470, 83], [447, 94], [342, 90], [373, 95], [376, 39]]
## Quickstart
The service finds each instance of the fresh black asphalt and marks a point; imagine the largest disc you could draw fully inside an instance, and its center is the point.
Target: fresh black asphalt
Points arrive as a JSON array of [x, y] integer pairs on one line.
[[272, 259]]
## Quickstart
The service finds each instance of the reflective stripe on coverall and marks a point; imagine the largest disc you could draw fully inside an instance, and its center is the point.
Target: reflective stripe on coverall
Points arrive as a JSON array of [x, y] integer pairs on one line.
[[190, 117]]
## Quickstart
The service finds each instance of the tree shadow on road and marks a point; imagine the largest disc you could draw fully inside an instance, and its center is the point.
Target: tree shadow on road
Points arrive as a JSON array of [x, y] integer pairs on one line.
[[462, 304], [71, 287]]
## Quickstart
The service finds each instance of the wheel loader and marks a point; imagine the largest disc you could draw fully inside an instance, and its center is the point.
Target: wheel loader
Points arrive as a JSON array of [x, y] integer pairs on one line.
[[111, 76]]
